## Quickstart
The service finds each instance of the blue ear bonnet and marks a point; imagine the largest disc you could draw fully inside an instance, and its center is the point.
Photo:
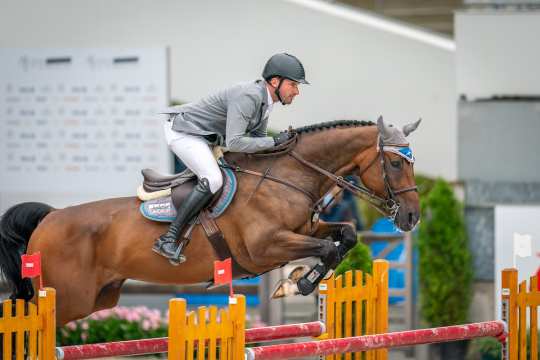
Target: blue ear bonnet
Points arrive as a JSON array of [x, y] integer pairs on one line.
[[406, 152], [403, 151]]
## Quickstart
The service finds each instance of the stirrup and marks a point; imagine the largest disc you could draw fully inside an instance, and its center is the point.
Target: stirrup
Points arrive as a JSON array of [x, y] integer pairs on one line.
[[178, 257], [157, 248]]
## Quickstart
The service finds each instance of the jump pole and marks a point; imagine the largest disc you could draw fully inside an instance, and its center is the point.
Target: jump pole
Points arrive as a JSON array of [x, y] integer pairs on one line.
[[378, 341], [159, 345]]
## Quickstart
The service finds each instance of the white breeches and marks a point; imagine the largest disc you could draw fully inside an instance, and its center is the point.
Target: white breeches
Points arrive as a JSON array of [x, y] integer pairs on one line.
[[196, 154]]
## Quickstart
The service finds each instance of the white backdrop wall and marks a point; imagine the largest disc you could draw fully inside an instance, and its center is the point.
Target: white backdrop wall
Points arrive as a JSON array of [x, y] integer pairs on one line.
[[497, 53], [357, 71]]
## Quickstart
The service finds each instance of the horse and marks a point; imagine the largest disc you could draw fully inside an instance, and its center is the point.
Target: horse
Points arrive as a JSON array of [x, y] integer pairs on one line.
[[89, 250]]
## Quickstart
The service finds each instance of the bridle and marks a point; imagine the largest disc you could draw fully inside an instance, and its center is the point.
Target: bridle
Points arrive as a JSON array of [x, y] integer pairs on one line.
[[388, 206]]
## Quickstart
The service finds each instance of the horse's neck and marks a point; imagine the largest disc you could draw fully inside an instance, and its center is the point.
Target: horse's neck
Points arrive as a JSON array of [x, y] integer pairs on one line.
[[332, 149]]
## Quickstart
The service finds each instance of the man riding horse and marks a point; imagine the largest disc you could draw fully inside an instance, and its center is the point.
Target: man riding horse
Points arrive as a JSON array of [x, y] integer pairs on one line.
[[236, 117], [89, 250]]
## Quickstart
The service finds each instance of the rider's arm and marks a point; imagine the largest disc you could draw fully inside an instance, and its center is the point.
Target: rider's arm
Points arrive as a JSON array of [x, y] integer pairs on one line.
[[240, 111], [260, 132]]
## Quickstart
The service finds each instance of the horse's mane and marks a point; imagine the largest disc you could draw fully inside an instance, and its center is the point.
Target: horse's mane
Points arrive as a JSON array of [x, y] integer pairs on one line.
[[333, 124]]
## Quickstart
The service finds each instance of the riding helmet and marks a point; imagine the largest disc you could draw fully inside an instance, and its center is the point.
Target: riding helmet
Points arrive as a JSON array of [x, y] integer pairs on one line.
[[286, 66]]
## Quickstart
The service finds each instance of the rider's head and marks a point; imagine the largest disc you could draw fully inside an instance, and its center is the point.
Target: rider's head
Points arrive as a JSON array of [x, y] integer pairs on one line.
[[283, 72]]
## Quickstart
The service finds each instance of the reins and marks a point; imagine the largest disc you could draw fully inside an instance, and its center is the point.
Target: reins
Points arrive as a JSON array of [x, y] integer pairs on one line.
[[388, 206]]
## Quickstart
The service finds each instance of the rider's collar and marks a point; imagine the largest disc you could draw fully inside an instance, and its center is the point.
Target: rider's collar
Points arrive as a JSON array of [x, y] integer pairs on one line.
[[402, 150], [269, 100]]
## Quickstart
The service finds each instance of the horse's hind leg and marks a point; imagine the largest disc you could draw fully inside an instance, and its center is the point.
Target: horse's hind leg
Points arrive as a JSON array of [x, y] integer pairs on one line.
[[108, 295], [76, 290]]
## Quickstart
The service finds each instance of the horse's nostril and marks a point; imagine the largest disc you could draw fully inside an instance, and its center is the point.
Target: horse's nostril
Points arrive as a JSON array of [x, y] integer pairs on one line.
[[411, 217]]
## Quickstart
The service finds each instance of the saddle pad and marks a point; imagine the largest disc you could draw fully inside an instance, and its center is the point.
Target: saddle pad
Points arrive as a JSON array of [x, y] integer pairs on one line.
[[162, 209]]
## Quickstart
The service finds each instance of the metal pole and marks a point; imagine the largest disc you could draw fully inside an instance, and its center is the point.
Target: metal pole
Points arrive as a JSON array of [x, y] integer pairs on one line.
[[160, 345], [370, 342]]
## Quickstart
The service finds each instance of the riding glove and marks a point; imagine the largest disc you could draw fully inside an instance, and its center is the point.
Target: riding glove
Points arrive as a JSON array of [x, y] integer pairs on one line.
[[281, 138]]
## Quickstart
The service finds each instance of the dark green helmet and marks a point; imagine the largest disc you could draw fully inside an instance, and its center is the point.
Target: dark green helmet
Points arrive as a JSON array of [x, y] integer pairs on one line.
[[285, 66]]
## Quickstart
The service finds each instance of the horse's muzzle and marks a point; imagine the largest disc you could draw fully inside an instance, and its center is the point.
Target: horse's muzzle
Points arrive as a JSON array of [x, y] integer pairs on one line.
[[406, 219]]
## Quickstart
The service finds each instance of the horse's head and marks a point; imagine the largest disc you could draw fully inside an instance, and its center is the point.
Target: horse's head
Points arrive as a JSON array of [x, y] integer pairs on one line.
[[387, 170]]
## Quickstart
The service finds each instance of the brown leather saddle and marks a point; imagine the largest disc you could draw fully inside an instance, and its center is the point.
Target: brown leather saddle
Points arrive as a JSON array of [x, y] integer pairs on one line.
[[176, 188]]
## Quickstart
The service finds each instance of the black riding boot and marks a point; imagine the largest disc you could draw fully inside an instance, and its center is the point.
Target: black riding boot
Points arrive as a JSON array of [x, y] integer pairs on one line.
[[167, 244]]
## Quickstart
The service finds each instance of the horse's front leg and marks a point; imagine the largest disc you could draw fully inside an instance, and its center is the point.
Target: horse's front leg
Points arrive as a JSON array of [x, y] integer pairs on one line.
[[288, 246], [343, 236], [340, 232]]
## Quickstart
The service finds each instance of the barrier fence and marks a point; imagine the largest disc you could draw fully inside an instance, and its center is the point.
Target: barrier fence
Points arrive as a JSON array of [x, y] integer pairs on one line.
[[160, 345], [356, 304], [378, 341], [354, 308], [28, 331], [516, 300]]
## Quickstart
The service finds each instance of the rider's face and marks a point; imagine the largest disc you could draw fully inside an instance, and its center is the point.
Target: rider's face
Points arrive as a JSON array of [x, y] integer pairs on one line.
[[287, 91]]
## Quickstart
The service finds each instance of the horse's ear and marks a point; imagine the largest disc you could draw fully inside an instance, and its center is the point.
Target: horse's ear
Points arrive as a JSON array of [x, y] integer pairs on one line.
[[381, 126], [409, 128]]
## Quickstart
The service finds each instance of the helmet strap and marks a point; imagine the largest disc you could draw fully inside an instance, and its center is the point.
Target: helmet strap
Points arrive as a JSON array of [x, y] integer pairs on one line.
[[276, 91]]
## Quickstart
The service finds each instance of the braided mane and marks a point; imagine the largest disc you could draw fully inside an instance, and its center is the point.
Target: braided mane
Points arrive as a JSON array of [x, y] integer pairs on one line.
[[333, 124]]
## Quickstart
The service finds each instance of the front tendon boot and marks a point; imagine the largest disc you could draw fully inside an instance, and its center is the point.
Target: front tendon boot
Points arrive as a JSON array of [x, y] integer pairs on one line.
[[167, 244]]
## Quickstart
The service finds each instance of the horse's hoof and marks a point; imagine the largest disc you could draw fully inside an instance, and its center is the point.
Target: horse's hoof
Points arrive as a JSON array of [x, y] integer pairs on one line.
[[283, 288], [297, 273], [177, 261]]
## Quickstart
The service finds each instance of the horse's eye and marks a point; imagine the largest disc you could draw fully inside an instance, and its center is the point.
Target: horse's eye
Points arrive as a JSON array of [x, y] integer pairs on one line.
[[396, 163]]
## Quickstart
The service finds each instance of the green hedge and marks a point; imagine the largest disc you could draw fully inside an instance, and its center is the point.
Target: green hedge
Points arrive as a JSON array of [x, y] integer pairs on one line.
[[444, 258], [358, 258]]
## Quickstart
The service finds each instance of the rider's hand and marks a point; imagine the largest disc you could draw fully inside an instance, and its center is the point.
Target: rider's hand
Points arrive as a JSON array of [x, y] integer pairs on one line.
[[281, 138]]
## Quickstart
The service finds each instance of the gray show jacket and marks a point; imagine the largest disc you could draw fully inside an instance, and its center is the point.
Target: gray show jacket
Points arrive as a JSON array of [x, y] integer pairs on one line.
[[233, 117]]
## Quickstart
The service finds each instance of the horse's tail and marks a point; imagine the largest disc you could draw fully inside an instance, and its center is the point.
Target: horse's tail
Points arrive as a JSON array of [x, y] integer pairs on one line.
[[16, 226]]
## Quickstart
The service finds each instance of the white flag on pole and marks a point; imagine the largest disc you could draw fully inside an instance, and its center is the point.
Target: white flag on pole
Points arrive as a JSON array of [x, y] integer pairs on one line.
[[522, 245]]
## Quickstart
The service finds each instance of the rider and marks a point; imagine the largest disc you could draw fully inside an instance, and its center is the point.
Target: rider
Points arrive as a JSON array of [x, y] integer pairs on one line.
[[235, 117]]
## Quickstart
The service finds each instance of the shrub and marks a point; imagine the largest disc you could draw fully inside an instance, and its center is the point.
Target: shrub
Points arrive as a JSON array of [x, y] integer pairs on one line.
[[444, 258], [119, 323], [358, 258], [484, 349]]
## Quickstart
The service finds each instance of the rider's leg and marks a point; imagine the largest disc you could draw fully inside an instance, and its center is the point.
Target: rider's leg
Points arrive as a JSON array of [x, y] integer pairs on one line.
[[195, 154]]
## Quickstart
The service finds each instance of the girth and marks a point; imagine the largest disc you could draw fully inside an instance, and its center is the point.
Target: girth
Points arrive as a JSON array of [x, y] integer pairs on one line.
[[217, 240]]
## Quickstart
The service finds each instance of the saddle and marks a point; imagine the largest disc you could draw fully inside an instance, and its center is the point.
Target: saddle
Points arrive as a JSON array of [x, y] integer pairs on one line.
[[162, 194]]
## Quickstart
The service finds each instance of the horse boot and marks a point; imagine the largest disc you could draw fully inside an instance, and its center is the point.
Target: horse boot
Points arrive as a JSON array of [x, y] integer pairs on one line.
[[167, 245], [308, 283]]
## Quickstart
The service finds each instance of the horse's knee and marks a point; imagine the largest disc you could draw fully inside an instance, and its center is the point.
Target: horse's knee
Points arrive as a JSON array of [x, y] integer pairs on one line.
[[331, 254], [348, 236]]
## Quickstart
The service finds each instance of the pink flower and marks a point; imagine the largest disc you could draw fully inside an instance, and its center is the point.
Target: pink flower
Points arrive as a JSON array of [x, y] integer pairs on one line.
[[146, 325], [132, 316], [84, 336], [71, 325], [84, 325]]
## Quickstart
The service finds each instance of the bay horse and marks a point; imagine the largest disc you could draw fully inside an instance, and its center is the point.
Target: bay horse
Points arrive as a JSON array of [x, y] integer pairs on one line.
[[89, 250]]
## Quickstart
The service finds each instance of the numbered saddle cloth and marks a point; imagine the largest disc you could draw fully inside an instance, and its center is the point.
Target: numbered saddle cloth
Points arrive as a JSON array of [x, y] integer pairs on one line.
[[163, 209]]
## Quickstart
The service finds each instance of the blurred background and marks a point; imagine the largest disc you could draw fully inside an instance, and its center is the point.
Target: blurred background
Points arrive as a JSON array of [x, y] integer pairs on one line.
[[82, 83]]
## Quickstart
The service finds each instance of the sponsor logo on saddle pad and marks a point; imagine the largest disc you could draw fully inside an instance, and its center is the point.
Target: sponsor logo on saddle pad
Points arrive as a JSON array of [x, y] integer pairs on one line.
[[162, 209]]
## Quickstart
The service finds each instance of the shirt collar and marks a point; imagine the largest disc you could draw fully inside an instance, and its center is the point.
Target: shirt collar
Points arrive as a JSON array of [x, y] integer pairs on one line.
[[270, 101]]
